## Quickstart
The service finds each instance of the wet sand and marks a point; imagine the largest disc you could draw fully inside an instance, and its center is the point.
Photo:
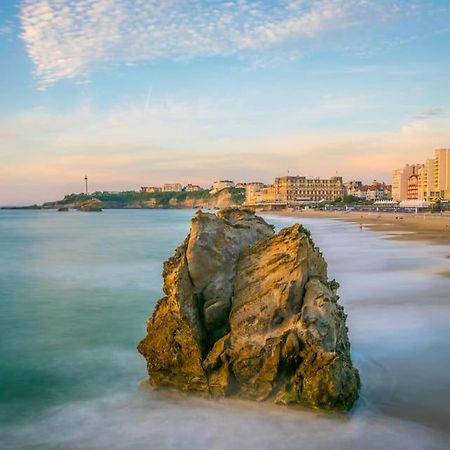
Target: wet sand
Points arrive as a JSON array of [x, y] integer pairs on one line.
[[431, 228]]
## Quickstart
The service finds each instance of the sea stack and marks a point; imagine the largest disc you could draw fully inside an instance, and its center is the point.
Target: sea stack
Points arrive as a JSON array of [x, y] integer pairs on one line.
[[250, 313]]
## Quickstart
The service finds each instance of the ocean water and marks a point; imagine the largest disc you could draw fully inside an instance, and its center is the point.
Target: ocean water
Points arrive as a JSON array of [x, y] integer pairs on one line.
[[76, 290]]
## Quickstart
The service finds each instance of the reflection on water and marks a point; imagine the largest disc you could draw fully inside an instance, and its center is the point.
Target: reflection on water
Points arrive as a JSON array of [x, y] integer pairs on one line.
[[76, 289]]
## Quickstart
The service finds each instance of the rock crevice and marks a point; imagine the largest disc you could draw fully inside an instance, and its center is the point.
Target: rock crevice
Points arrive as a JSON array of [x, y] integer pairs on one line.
[[249, 312]]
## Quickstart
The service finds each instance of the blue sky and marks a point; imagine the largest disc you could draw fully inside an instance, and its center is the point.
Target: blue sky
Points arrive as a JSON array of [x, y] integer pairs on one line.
[[138, 92]]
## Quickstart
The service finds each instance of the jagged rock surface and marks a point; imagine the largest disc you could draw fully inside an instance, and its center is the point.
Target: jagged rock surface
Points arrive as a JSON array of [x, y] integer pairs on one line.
[[252, 313]]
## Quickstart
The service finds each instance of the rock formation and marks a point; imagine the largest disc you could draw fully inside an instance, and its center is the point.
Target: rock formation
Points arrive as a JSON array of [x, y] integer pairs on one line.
[[248, 312], [92, 205]]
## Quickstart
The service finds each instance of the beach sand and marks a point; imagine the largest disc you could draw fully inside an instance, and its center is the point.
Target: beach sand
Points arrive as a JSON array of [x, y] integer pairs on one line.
[[431, 228]]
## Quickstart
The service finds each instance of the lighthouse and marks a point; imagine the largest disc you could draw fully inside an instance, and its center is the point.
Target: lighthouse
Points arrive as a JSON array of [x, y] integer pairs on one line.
[[86, 184]]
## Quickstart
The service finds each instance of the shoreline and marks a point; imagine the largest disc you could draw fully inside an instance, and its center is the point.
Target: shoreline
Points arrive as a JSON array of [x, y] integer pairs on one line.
[[429, 228]]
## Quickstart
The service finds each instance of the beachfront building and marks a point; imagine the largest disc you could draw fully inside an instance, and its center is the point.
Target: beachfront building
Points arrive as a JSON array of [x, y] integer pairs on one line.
[[434, 177], [172, 187], [257, 193], [442, 172], [378, 191], [298, 189], [353, 188], [400, 179], [221, 184], [151, 189], [413, 187]]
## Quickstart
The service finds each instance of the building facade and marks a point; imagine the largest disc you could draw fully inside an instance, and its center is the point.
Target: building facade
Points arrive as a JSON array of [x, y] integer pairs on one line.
[[353, 188], [434, 177], [413, 187], [400, 179], [221, 184], [172, 187], [192, 188], [150, 189], [257, 193], [297, 189]]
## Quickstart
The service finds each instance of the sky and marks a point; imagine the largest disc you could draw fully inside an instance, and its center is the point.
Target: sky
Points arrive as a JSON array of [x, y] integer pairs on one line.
[[142, 92]]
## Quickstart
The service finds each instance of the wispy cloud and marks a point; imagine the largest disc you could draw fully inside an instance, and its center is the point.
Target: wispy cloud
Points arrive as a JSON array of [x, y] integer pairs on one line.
[[122, 149], [67, 38], [431, 113], [6, 28]]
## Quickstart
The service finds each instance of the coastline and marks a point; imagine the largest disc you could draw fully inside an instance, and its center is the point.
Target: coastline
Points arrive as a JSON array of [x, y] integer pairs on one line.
[[430, 228]]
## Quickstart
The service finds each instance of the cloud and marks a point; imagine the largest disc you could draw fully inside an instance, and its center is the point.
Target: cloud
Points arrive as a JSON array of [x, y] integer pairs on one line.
[[6, 28], [69, 38], [431, 113], [176, 141]]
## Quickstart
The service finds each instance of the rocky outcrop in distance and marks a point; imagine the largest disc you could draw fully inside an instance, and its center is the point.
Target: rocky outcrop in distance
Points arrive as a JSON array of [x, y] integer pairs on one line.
[[93, 205], [226, 198], [251, 313]]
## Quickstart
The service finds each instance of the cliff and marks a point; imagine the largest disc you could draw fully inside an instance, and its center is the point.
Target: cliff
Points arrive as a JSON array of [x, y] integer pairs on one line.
[[252, 313], [153, 200]]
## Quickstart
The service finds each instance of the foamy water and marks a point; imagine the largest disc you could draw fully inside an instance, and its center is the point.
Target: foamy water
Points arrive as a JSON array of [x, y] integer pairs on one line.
[[76, 289]]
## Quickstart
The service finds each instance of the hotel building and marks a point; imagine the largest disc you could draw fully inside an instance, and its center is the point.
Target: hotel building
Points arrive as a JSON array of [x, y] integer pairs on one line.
[[297, 189]]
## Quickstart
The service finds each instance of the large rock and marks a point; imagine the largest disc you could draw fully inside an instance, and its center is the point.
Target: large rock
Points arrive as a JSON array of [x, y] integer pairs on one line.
[[93, 205], [250, 313]]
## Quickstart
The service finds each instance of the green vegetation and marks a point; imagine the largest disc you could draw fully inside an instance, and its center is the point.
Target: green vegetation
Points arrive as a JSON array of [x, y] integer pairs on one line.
[[162, 198], [237, 195]]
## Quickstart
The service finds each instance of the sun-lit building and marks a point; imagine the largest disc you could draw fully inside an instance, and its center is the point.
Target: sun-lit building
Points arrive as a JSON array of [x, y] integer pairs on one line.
[[192, 188], [221, 184], [413, 186], [260, 193], [400, 180], [172, 187], [151, 189], [434, 177], [297, 189]]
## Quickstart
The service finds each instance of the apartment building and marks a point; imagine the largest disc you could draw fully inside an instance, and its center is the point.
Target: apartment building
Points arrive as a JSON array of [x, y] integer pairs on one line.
[[434, 177], [401, 178]]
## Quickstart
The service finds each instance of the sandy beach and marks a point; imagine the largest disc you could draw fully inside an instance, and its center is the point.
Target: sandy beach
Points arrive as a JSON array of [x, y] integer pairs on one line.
[[431, 228]]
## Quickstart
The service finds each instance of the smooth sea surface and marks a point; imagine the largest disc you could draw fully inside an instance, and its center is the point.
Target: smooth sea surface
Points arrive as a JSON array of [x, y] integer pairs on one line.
[[76, 290]]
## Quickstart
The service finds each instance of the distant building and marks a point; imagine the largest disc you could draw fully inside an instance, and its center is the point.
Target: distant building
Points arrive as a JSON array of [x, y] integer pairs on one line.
[[259, 193], [412, 192], [150, 189], [353, 188], [379, 191], [297, 189], [192, 188], [221, 184], [400, 179], [172, 187], [375, 191], [434, 177], [240, 185]]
